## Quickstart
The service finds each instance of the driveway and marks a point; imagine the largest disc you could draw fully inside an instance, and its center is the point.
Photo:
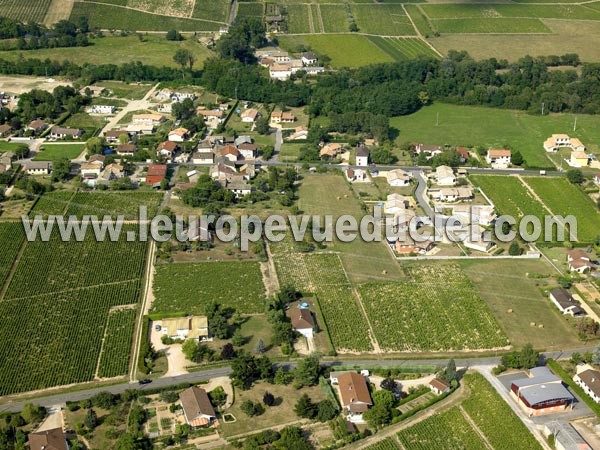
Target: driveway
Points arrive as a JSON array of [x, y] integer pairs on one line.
[[54, 419], [174, 354]]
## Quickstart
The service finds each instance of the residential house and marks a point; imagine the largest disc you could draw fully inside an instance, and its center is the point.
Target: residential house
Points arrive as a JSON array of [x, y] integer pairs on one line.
[[398, 177], [190, 327], [362, 156], [302, 321], [354, 395], [196, 406], [140, 128], [156, 174], [64, 133], [455, 194], [464, 154], [203, 157], [308, 58], [37, 126], [230, 152], [579, 261], [222, 171], [178, 97], [282, 117], [589, 381], [111, 172], [179, 135], [165, 108], [354, 175], [198, 232], [301, 133], [242, 140], [147, 119], [238, 186], [91, 170], [280, 71], [6, 159], [248, 151], [444, 176], [167, 149], [126, 149], [541, 392], [330, 150], [407, 245], [250, 115], [280, 56], [484, 215], [113, 136], [429, 150], [212, 118], [565, 302], [439, 386], [396, 203], [5, 130], [38, 167], [102, 109], [480, 244], [53, 439], [579, 159], [498, 158], [556, 141]]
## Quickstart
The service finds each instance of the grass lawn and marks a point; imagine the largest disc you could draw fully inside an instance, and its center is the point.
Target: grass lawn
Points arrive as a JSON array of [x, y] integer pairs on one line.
[[290, 152], [472, 126], [10, 146], [504, 285], [330, 194], [85, 121], [54, 152], [155, 50], [133, 91], [280, 414], [345, 50]]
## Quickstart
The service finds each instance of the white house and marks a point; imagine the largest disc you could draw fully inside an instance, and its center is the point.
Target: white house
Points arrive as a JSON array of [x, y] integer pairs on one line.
[[498, 158], [63, 133], [444, 176], [191, 327], [589, 381], [301, 133], [250, 115], [439, 386], [398, 177], [179, 135], [362, 156], [196, 406], [455, 194], [38, 167], [302, 321], [552, 144], [203, 157], [147, 119], [565, 302], [91, 170], [354, 395], [308, 58], [101, 109]]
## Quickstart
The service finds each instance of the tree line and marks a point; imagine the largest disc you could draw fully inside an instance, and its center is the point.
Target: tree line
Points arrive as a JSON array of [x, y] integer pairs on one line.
[[32, 36]]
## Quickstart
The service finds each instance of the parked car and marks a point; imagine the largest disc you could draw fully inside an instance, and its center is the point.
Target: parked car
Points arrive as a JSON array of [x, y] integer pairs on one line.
[[145, 381]]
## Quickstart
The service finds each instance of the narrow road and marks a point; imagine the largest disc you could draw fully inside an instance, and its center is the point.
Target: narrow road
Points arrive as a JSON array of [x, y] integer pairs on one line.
[[278, 143], [232, 12], [132, 105]]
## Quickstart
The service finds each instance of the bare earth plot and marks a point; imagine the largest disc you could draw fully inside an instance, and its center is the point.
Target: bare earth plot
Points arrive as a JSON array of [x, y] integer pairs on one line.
[[58, 10]]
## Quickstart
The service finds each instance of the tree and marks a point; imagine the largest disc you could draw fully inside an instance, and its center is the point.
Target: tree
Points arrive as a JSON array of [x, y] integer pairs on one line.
[[227, 352], [268, 399], [260, 347], [529, 357], [238, 340], [385, 398], [450, 371], [61, 169], [514, 249], [516, 158], [251, 408], [326, 410], [33, 413], [125, 442], [389, 384], [184, 57], [308, 371], [91, 419], [283, 377], [291, 438], [262, 126], [575, 176], [218, 396], [21, 151], [596, 356], [382, 155], [174, 35], [305, 408]]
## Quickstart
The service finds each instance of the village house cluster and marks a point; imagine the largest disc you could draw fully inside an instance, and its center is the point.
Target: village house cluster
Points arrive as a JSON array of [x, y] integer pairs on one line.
[[282, 66]]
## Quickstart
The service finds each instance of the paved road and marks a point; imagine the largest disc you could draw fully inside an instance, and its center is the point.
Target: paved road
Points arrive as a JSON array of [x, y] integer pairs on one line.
[[277, 148], [204, 375], [132, 105]]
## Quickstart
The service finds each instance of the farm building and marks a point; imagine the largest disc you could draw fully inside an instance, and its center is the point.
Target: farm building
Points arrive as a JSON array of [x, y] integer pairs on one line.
[[589, 381], [354, 395], [197, 409], [541, 392], [38, 167], [565, 302], [565, 436], [53, 439], [191, 327], [302, 321], [439, 386], [362, 156]]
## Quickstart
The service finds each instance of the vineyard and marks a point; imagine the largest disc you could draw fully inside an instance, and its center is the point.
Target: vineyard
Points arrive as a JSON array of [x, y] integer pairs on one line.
[[46, 267], [114, 360], [450, 430], [114, 203], [188, 288], [51, 203], [11, 239], [323, 275], [502, 428], [402, 49], [386, 444], [56, 339], [437, 310], [25, 10]]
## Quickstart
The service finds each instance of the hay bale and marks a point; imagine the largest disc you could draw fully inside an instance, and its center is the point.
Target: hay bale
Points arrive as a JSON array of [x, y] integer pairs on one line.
[[510, 310], [532, 324], [541, 325]]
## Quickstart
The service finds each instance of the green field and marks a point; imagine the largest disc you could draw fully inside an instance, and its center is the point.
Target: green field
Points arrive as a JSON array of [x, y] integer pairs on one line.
[[114, 360], [565, 199], [438, 309], [54, 152], [386, 444], [188, 288], [488, 127], [420, 20], [250, 9], [153, 50], [114, 203], [335, 18], [402, 49], [113, 17], [345, 50], [11, 238], [132, 91], [297, 18], [387, 20], [452, 429], [212, 10], [52, 203], [485, 25], [10, 146], [25, 10]]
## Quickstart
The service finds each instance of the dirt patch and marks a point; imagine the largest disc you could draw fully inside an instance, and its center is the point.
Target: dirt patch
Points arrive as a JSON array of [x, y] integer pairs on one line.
[[177, 8], [58, 10], [19, 85]]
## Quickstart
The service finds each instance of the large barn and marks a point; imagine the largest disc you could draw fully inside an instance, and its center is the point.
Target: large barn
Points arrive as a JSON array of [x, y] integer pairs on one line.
[[541, 393]]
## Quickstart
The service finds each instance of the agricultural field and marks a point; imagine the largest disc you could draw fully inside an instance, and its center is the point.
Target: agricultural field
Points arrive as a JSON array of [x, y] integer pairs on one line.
[[54, 152], [402, 49], [562, 198], [513, 290], [472, 126], [51, 203], [297, 18], [114, 203], [131, 91], [250, 9], [386, 444], [54, 266], [25, 10], [114, 360], [401, 312], [190, 287], [11, 239], [485, 25], [502, 428], [55, 339], [212, 10], [345, 50], [452, 429], [420, 20], [323, 275], [335, 18], [386, 20], [446, 431], [114, 17]]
